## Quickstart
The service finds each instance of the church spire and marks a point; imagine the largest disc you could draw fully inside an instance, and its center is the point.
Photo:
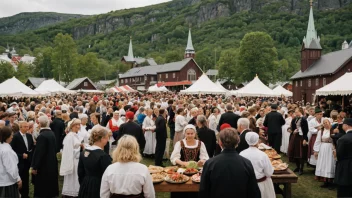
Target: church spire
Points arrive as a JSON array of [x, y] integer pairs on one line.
[[311, 40], [130, 51], [189, 52]]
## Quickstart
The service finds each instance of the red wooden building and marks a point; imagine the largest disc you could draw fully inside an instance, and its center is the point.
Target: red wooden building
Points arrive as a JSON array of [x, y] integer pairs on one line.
[[171, 75], [318, 70]]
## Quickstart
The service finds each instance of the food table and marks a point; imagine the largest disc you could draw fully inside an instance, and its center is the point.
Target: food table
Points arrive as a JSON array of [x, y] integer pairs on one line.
[[285, 179]]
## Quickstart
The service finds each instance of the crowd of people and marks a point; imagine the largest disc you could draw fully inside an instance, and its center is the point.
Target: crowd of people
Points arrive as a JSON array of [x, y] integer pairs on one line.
[[96, 142]]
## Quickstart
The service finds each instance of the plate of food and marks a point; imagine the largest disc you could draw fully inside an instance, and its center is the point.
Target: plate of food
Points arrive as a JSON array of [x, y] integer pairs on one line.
[[190, 171], [279, 166], [196, 178], [276, 156], [170, 169], [157, 178], [155, 169], [176, 178], [263, 146]]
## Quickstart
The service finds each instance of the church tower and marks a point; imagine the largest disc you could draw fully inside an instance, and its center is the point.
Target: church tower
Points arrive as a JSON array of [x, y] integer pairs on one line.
[[311, 48], [189, 52]]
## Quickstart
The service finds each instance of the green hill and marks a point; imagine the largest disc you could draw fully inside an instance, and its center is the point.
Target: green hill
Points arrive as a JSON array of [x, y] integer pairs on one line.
[[216, 26]]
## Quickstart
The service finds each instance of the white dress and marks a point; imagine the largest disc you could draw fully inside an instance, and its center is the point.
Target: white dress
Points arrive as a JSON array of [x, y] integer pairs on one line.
[[285, 135], [313, 131], [262, 168], [69, 164], [150, 137], [84, 135], [326, 162], [213, 122]]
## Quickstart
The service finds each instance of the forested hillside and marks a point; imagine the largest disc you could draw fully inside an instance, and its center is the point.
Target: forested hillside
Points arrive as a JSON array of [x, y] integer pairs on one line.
[[160, 31]]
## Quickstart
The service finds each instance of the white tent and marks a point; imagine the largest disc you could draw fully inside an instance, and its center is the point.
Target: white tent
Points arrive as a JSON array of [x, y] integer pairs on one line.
[[279, 91], [155, 88], [341, 86], [220, 85], [255, 88], [52, 87], [14, 87], [203, 86]]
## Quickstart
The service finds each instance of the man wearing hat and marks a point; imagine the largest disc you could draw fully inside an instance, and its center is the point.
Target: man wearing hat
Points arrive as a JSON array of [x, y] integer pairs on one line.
[[132, 128], [314, 125], [343, 173], [274, 122]]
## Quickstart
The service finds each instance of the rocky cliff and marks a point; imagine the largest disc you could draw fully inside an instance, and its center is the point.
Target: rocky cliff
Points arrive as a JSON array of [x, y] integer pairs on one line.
[[31, 21]]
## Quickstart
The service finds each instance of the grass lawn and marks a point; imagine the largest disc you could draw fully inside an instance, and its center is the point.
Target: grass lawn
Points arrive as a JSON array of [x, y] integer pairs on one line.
[[306, 187]]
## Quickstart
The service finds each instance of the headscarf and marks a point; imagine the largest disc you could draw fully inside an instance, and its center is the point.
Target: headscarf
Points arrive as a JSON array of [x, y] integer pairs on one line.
[[189, 126], [252, 138]]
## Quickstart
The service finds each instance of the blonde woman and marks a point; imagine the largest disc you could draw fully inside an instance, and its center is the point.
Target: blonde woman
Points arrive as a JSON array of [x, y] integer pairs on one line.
[[92, 163], [126, 176], [69, 161]]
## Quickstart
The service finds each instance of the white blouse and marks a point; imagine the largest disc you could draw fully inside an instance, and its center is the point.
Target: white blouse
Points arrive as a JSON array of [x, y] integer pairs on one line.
[[176, 153], [130, 178], [180, 123], [321, 136], [213, 122], [148, 124], [260, 161], [8, 166]]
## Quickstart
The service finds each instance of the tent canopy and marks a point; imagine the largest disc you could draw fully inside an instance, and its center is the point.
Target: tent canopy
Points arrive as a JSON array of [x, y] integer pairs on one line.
[[255, 88], [220, 85], [341, 86], [14, 87], [52, 87], [279, 90], [203, 86], [155, 88]]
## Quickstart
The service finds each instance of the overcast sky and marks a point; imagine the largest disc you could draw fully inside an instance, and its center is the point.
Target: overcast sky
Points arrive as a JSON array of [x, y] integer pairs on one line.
[[12, 7]]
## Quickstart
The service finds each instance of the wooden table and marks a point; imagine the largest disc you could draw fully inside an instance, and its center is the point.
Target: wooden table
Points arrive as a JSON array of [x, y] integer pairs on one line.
[[282, 179], [286, 180]]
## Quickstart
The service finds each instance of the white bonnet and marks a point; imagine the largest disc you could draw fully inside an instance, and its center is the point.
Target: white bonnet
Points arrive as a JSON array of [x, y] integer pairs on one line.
[[252, 138], [189, 126]]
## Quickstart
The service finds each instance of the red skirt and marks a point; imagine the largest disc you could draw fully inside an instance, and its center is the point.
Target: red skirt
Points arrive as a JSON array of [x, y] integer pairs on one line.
[[311, 145], [296, 150]]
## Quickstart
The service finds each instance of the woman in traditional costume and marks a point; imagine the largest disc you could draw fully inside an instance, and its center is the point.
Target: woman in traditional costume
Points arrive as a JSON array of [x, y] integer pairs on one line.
[[285, 133], [261, 164], [315, 125], [297, 148], [126, 177], [186, 150], [69, 161], [324, 151], [150, 139], [180, 123], [92, 163]]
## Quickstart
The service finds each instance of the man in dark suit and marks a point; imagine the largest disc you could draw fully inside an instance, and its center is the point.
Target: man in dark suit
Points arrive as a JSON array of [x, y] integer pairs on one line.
[[229, 117], [343, 174], [171, 121], [44, 163], [161, 135], [242, 128], [228, 174], [274, 121], [132, 128], [58, 127], [22, 144]]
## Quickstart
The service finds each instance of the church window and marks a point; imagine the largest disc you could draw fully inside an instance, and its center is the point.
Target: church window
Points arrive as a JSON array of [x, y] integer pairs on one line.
[[324, 81], [174, 75], [85, 84], [166, 76], [309, 82], [145, 78], [301, 83], [296, 83], [152, 78], [317, 82], [191, 75], [159, 77]]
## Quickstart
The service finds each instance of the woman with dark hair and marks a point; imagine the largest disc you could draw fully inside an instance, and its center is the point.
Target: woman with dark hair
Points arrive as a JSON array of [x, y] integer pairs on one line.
[[10, 180], [206, 135]]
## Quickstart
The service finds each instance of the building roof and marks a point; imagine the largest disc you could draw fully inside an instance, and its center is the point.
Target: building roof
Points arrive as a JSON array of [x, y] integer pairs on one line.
[[311, 40], [35, 81], [78, 81], [326, 64], [140, 60], [153, 70], [212, 72]]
